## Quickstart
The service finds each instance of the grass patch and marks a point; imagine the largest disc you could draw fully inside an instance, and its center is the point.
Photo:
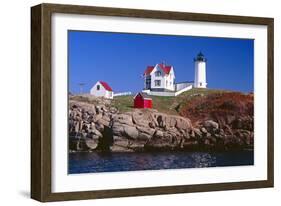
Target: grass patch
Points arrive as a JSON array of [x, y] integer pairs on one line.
[[123, 103], [168, 105]]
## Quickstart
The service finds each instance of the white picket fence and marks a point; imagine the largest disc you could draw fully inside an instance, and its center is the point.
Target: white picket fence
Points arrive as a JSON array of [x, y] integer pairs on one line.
[[122, 94], [183, 90], [169, 94]]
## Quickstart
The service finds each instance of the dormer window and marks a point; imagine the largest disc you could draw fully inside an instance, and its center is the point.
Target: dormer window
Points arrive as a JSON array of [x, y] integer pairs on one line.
[[157, 73]]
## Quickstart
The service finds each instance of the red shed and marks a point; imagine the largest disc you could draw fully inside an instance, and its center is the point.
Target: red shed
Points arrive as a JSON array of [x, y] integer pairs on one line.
[[142, 100]]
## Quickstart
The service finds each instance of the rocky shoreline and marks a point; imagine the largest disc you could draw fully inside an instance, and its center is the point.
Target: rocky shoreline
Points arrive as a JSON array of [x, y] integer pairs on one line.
[[101, 127]]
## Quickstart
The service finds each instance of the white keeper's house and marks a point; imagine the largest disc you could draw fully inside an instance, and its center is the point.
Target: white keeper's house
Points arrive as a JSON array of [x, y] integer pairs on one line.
[[159, 80], [102, 89], [160, 77]]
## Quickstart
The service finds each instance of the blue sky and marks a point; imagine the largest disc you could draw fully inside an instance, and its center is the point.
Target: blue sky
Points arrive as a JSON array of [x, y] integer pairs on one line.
[[120, 59]]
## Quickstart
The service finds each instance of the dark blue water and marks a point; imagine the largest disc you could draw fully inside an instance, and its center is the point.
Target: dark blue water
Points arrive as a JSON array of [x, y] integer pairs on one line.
[[113, 162]]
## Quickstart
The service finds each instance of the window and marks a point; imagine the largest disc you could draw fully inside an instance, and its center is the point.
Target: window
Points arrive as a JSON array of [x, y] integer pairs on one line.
[[98, 87], [200, 83], [157, 82], [158, 74]]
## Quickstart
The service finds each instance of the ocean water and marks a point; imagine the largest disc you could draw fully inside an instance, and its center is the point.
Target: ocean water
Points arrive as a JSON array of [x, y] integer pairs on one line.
[[114, 162]]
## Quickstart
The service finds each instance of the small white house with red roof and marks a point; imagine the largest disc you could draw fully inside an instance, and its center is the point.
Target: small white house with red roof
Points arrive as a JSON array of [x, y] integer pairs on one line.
[[102, 89], [159, 78]]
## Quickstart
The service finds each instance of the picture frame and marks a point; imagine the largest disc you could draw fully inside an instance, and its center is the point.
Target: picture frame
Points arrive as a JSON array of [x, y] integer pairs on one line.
[[41, 101]]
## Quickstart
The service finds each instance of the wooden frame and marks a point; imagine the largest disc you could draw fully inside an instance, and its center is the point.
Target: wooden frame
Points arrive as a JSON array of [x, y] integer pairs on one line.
[[41, 101]]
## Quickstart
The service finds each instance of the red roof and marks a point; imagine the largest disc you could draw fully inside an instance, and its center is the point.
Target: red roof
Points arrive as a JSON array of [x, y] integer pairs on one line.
[[143, 95], [106, 86], [166, 69], [148, 70]]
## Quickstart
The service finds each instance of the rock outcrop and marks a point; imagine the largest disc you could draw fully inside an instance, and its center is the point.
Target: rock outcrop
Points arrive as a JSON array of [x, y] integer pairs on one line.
[[101, 127]]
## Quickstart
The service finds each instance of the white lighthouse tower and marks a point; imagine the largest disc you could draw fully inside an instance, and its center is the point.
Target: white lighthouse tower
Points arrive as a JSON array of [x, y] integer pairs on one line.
[[200, 71]]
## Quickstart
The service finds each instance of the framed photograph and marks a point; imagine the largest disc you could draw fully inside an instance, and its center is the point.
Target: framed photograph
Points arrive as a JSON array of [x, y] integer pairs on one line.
[[130, 102]]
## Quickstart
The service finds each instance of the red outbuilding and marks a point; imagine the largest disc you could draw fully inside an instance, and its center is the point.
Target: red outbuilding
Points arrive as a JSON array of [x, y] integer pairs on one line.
[[142, 100]]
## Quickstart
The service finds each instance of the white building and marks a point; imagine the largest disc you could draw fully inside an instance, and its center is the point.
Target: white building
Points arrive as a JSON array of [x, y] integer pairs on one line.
[[200, 71], [102, 89], [159, 80]]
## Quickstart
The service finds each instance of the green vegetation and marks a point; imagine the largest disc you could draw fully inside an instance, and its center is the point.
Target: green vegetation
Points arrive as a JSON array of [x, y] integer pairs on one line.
[[169, 105], [194, 98], [123, 103]]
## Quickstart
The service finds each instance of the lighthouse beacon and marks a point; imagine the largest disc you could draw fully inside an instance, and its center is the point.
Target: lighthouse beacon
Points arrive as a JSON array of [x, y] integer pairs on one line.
[[200, 71]]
